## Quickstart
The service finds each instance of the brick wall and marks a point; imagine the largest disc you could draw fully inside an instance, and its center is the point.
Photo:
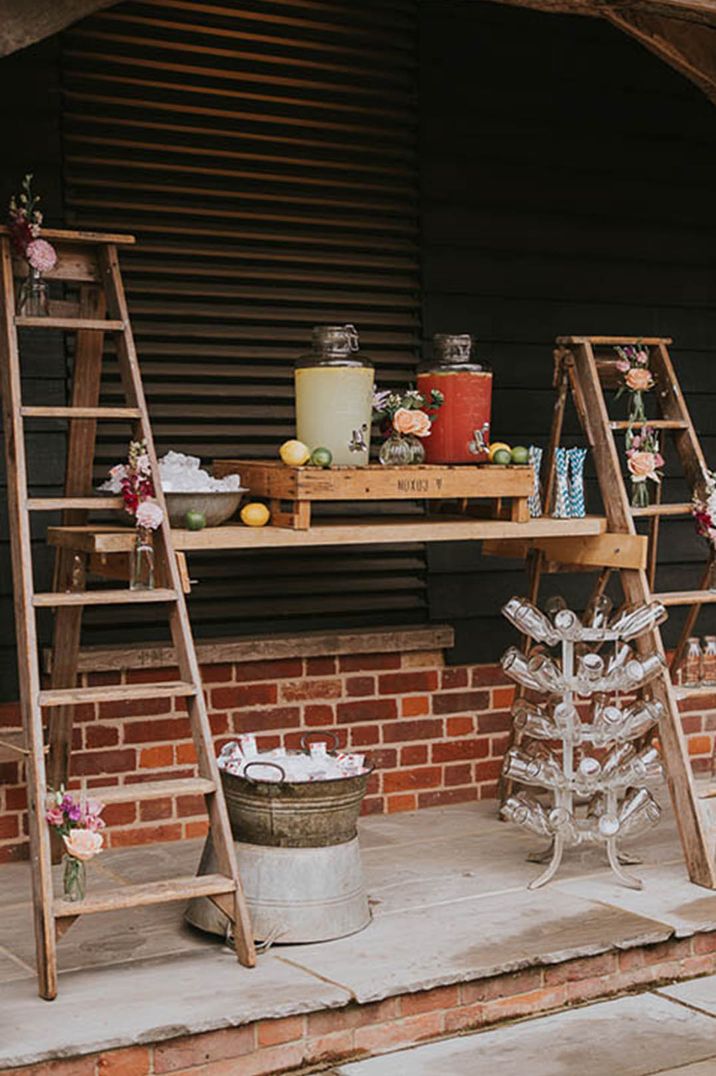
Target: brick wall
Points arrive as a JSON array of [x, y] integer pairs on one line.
[[436, 734]]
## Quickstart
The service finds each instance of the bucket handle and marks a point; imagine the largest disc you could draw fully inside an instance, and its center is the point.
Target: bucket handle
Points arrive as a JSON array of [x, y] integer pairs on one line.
[[304, 742], [275, 765]]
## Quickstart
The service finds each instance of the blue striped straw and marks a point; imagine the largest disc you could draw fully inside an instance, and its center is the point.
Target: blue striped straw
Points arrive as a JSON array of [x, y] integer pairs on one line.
[[561, 499], [577, 506], [534, 501]]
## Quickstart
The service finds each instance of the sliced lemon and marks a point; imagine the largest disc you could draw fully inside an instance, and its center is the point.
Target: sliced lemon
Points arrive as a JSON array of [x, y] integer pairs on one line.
[[497, 446], [255, 514], [294, 453]]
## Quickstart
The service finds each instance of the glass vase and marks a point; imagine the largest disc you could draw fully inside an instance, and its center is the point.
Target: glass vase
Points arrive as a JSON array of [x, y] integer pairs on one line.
[[141, 575], [401, 450], [640, 494], [33, 300], [74, 878]]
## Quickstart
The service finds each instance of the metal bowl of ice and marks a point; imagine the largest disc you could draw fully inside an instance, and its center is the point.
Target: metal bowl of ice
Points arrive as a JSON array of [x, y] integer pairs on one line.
[[215, 507]]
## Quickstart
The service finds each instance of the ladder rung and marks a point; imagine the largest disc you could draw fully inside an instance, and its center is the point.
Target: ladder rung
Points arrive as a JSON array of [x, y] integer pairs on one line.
[[103, 597], [686, 691], [96, 324], [137, 896], [162, 689], [12, 745], [81, 412], [662, 510], [57, 504], [653, 424], [153, 790], [686, 597]]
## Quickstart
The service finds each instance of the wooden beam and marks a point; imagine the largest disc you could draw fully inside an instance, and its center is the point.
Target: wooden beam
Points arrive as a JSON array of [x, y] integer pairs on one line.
[[598, 551]]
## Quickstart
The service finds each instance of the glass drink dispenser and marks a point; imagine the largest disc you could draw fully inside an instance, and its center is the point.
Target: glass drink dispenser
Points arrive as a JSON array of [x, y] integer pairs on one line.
[[334, 396], [461, 430]]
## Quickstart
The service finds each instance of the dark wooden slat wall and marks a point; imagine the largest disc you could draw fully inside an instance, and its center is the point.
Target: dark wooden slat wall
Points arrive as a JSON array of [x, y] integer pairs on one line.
[[567, 182], [264, 154]]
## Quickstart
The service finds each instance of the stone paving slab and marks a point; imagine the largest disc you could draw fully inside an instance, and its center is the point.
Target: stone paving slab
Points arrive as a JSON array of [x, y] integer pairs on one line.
[[631, 1036], [699, 993]]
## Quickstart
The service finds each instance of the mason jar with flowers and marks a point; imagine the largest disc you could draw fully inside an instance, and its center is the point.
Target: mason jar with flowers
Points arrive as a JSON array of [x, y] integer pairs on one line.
[[24, 224], [405, 419], [80, 825], [133, 480], [644, 463]]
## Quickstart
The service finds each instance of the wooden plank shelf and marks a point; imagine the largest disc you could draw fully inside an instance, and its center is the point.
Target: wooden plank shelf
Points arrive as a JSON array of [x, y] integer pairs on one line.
[[105, 540], [139, 896]]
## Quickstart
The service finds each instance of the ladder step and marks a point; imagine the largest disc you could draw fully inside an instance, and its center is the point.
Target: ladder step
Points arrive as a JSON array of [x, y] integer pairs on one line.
[[12, 746], [138, 896], [654, 424], [103, 597], [163, 689], [81, 412], [153, 790], [662, 510], [686, 597], [685, 691], [96, 324], [57, 504]]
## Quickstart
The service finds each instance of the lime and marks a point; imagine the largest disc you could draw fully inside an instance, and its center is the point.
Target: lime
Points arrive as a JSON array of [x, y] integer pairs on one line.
[[520, 454], [321, 457], [502, 457], [255, 514], [294, 453], [497, 446], [195, 520]]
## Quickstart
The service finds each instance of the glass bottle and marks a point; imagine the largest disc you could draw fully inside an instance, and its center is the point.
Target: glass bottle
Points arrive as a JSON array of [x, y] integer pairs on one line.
[[693, 663], [708, 664], [74, 878], [401, 450], [334, 396], [142, 560], [461, 430], [33, 299], [528, 619]]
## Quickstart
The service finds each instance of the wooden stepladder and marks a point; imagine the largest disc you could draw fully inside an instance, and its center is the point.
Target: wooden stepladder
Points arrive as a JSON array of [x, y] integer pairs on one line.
[[90, 262], [587, 366]]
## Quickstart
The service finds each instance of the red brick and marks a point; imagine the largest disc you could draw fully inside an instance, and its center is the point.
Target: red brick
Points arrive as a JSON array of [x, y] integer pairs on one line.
[[427, 729], [499, 745], [455, 677], [120, 814], [353, 1015], [198, 828], [101, 736], [360, 686], [455, 750], [216, 674], [456, 702], [447, 796], [333, 1047], [414, 705], [498, 986], [185, 754], [460, 774], [459, 726], [219, 724], [489, 770], [497, 722], [414, 755], [170, 728], [704, 943], [698, 702], [372, 805], [403, 802], [95, 679], [589, 967], [386, 758], [136, 1061], [502, 697], [692, 723], [121, 708], [359, 662], [10, 715], [273, 1032], [411, 1029], [364, 735], [299, 690], [168, 831], [268, 670], [406, 780], [141, 676], [194, 1050], [403, 683], [154, 757], [699, 745], [16, 798], [320, 666], [74, 1066], [190, 805], [153, 810], [91, 762], [240, 695], [367, 710], [319, 715], [487, 675], [442, 997], [524, 1004], [9, 825], [279, 717]]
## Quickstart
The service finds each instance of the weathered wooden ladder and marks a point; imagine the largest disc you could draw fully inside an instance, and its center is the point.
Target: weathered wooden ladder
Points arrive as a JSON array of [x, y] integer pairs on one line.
[[90, 261], [586, 365]]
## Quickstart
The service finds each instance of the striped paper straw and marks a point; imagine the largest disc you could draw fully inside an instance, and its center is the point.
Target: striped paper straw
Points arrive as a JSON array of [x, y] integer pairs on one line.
[[577, 506], [561, 499], [534, 501]]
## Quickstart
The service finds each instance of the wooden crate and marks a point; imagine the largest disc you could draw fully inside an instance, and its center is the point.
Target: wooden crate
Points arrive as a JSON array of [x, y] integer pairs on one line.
[[506, 488]]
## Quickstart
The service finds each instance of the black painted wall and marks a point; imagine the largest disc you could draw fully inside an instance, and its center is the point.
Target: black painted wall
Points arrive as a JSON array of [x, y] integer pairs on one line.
[[567, 186]]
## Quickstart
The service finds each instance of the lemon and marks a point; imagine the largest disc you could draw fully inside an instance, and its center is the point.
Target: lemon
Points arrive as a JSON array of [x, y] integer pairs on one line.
[[294, 453], [498, 446], [255, 514]]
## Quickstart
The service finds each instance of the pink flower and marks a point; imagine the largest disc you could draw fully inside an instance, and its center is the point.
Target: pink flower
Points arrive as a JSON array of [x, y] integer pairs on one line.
[[642, 357], [643, 465], [149, 515], [415, 422], [41, 255], [144, 467], [622, 366], [94, 823], [83, 844], [55, 816]]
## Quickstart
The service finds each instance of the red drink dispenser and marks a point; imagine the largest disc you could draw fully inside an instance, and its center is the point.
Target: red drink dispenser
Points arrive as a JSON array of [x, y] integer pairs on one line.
[[461, 430]]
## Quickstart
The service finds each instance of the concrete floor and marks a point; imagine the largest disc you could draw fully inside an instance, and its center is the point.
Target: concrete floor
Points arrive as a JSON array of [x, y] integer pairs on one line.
[[671, 1032], [449, 903]]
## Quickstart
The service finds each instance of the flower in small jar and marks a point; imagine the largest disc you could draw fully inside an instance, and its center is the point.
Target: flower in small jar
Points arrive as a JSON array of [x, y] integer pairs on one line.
[[41, 255], [83, 844], [416, 422], [149, 515], [55, 816], [638, 379], [643, 465]]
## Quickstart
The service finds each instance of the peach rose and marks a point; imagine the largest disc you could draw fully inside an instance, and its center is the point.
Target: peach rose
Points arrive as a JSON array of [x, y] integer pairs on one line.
[[83, 844], [638, 379], [415, 422], [643, 465]]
